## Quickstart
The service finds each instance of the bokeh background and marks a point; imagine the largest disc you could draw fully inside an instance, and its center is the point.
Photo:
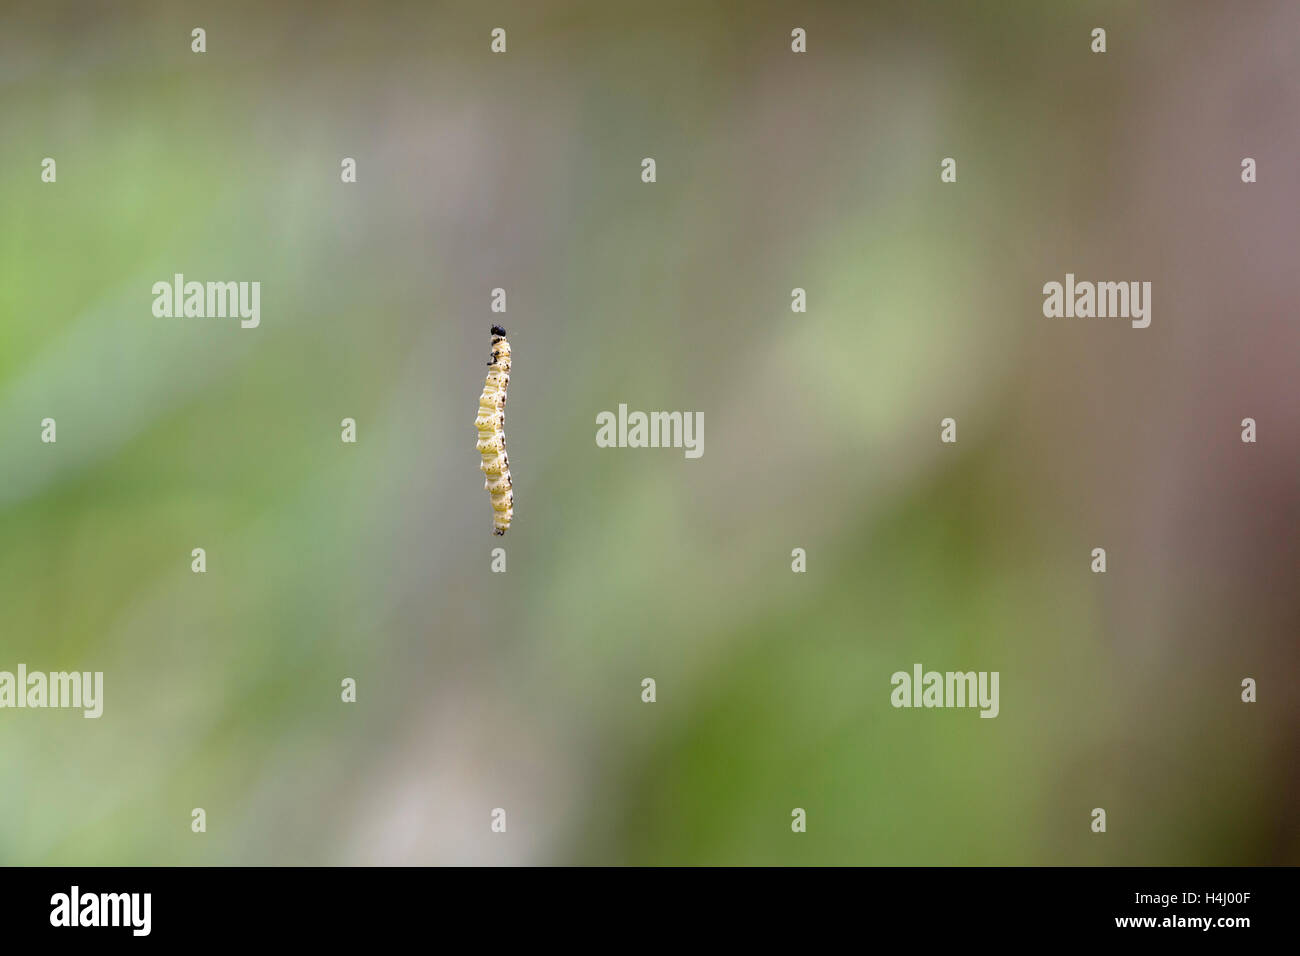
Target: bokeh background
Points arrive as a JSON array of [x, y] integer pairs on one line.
[[522, 690]]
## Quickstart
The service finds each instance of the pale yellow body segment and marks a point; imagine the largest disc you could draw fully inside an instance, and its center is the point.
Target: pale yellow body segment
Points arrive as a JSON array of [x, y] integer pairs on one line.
[[491, 423]]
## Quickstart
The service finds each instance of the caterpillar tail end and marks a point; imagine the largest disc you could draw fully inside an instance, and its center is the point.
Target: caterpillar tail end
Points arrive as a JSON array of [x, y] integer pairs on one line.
[[501, 516]]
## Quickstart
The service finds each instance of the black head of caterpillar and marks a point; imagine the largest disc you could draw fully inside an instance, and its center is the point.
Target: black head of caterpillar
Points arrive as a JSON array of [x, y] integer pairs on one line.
[[498, 333], [490, 424]]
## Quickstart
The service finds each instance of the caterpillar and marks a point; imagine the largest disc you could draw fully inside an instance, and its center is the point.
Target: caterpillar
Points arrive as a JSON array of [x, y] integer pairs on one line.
[[491, 424]]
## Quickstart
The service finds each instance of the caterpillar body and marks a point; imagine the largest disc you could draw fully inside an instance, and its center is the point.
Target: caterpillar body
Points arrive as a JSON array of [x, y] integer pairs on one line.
[[491, 424]]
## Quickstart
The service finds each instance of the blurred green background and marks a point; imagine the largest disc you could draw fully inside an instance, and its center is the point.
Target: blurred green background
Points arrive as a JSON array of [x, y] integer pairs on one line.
[[522, 690]]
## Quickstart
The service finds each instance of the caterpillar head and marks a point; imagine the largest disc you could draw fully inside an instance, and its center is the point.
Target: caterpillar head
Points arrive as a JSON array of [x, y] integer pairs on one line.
[[500, 348]]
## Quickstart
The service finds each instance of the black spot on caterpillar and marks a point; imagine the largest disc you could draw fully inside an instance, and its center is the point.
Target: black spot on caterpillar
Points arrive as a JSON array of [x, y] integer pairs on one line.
[[491, 423]]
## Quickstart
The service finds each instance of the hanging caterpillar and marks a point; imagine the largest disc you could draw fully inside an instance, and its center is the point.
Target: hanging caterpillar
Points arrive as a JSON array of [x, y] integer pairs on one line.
[[491, 424]]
